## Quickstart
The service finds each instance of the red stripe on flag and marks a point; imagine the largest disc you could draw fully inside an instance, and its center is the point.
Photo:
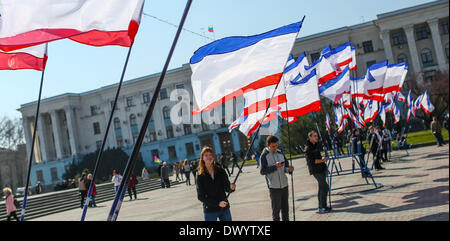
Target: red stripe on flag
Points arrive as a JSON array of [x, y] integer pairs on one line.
[[264, 82], [262, 105], [16, 61], [315, 106], [346, 62], [93, 37], [327, 77]]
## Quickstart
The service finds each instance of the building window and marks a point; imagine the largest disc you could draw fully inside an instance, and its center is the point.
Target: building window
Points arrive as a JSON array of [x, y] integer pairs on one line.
[[368, 46], [166, 113], [94, 110], [133, 120], [314, 57], [54, 174], [112, 104], [169, 131], [40, 176], [421, 33], [190, 149], [187, 129], [99, 144], [398, 38], [130, 101], [172, 153], [163, 94], [429, 76], [152, 135], [370, 63], [146, 97], [180, 87], [444, 28], [117, 124], [96, 128], [427, 58]]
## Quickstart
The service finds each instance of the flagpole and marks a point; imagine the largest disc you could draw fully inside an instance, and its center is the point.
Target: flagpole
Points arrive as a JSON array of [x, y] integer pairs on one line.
[[290, 153], [24, 204], [105, 137], [262, 120], [115, 208]]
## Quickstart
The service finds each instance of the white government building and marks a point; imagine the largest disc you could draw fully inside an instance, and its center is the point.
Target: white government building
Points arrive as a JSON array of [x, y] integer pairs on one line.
[[72, 125]]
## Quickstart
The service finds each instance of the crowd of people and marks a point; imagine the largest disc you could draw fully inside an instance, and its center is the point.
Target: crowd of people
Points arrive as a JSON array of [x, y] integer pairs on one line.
[[211, 174]]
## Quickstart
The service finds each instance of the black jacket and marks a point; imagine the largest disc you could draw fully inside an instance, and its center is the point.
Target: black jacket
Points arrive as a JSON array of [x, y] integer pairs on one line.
[[313, 154], [211, 192]]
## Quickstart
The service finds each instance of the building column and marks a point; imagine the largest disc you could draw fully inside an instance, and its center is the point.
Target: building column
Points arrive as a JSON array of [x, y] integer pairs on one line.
[[56, 133], [28, 134], [409, 31], [216, 141], [434, 27], [43, 139], [71, 126], [386, 38]]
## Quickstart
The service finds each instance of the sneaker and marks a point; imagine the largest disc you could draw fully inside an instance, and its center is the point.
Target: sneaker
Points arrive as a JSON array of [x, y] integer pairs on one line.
[[323, 210]]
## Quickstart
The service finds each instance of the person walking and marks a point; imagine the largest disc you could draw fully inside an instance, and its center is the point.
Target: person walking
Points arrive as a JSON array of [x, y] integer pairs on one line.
[[374, 140], [187, 171], [177, 171], [180, 167], [234, 159], [10, 204], [446, 124], [131, 187], [194, 171], [144, 174], [212, 185], [274, 167], [94, 190], [82, 189], [38, 189], [116, 179], [339, 143], [436, 129], [165, 176], [317, 167]]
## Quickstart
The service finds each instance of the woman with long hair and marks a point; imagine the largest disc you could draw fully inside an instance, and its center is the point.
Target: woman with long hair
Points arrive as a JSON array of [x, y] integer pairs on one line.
[[9, 203], [212, 185]]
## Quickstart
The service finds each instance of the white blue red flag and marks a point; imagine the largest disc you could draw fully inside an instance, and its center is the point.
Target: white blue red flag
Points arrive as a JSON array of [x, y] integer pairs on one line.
[[324, 70], [328, 122], [93, 22], [426, 104], [395, 77], [371, 111], [374, 81], [335, 88], [229, 67], [340, 57]]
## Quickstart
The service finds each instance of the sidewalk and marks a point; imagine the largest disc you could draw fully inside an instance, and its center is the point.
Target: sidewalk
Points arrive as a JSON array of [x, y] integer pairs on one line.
[[415, 187]]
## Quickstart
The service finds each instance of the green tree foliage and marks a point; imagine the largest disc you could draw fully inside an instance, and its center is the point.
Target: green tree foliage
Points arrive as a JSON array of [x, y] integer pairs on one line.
[[112, 159]]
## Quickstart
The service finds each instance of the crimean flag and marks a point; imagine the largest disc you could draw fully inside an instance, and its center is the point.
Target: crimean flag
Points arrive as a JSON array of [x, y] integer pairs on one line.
[[92, 22], [211, 29], [34, 57], [229, 67], [157, 160]]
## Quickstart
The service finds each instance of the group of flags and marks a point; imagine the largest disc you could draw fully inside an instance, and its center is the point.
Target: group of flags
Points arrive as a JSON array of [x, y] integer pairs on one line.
[[27, 26], [261, 69]]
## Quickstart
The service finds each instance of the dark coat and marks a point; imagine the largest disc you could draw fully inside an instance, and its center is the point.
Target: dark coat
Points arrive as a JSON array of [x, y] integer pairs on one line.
[[211, 192], [133, 181], [313, 154]]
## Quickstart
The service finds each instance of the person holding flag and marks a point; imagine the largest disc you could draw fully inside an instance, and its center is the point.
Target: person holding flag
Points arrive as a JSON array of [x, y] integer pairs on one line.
[[274, 166]]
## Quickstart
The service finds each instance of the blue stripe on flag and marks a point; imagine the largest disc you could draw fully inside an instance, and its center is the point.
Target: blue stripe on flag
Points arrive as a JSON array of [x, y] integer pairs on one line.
[[295, 64], [231, 44], [298, 80], [332, 82]]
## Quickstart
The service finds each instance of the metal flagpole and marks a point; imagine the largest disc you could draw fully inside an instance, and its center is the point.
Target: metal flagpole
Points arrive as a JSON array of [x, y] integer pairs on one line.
[[30, 160], [290, 153], [105, 137], [114, 212], [259, 127]]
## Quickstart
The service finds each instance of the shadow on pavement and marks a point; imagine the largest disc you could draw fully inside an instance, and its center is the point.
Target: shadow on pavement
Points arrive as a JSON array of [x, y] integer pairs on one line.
[[434, 217]]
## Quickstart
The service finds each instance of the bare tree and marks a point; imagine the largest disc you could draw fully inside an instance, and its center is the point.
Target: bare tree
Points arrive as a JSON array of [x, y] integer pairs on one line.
[[438, 91], [11, 133]]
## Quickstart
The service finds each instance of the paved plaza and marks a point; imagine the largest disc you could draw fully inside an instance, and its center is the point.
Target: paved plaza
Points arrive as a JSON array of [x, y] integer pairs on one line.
[[415, 187]]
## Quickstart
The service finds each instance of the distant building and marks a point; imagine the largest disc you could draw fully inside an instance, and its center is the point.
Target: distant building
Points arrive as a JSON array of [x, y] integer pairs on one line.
[[72, 125]]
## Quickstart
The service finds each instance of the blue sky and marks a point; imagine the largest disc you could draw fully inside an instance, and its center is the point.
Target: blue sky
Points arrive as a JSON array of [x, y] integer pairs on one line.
[[76, 68]]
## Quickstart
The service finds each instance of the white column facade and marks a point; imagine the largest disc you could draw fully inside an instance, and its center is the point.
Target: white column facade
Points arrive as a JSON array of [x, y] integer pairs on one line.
[[386, 38], [409, 31], [43, 139], [56, 127], [28, 134], [434, 27], [71, 126]]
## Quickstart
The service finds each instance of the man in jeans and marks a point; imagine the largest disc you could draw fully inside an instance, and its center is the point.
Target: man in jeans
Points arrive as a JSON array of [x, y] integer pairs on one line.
[[274, 166]]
